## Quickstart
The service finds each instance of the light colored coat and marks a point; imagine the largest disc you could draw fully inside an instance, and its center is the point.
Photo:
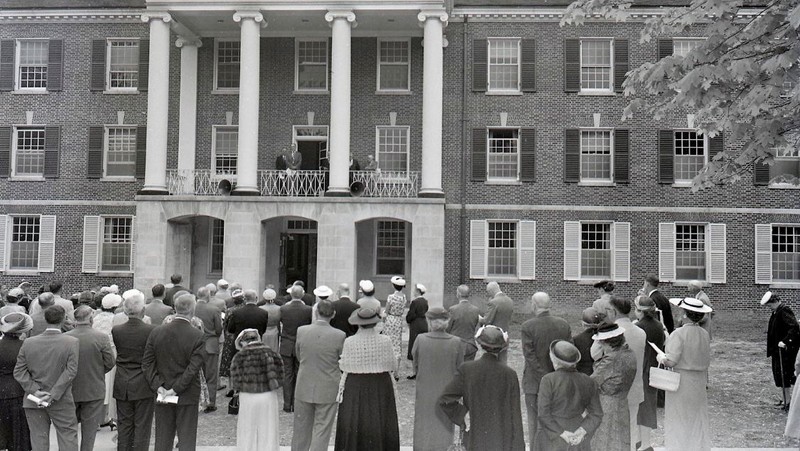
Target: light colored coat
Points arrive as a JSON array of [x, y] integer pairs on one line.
[[48, 362], [318, 348]]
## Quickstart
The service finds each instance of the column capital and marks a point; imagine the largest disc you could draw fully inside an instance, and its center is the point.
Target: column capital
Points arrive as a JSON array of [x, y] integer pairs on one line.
[[436, 14], [188, 42], [348, 15], [256, 16], [164, 16]]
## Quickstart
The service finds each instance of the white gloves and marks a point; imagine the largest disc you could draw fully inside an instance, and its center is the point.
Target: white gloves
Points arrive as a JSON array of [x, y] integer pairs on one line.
[[574, 438], [782, 345], [661, 357]]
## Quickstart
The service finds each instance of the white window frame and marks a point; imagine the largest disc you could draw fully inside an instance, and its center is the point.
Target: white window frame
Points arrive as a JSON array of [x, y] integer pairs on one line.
[[611, 249], [525, 247], [378, 62], [215, 87], [489, 89], [105, 152], [297, 89], [516, 222], [17, 54], [793, 283], [603, 91], [686, 182], [108, 64], [211, 223], [500, 180], [597, 181], [793, 143], [406, 229], [706, 246], [384, 172], [9, 237], [14, 175], [685, 39], [101, 244], [214, 128]]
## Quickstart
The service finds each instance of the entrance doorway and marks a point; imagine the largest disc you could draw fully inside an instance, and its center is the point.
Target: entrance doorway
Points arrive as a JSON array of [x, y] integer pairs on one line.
[[291, 244], [312, 143], [294, 258]]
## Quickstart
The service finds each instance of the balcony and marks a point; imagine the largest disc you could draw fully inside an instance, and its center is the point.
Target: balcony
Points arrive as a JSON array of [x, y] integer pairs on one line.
[[386, 184]]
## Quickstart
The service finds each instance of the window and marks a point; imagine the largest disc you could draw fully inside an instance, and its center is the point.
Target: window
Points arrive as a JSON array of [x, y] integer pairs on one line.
[[32, 64], [690, 251], [502, 156], [217, 245], [682, 46], [502, 249], [123, 64], [786, 253], [29, 151], [227, 56], [312, 65], [116, 244], [24, 242], [225, 149], [785, 170], [394, 65], [596, 155], [504, 64], [393, 149], [596, 250], [690, 155], [120, 149], [390, 248], [596, 65]]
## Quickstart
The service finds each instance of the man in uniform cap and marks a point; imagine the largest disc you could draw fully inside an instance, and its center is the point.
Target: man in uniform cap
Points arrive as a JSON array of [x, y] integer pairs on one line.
[[783, 341]]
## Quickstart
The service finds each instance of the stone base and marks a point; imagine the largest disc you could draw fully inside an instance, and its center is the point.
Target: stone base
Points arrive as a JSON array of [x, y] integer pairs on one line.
[[337, 194], [153, 192], [431, 194], [248, 192]]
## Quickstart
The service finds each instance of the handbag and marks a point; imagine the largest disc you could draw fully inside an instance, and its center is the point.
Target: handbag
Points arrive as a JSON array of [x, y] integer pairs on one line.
[[233, 405], [664, 379]]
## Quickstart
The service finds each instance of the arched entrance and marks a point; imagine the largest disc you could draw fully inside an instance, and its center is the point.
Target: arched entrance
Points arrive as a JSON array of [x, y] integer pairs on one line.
[[195, 249], [383, 250], [291, 244]]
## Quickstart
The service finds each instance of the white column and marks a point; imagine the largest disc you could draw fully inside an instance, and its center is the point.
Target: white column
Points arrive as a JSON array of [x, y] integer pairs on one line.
[[339, 139], [155, 177], [249, 96], [187, 127], [432, 69]]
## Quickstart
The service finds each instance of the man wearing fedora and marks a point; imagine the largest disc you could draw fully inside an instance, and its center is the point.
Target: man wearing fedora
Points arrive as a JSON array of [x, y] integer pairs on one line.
[[344, 307], [464, 318], [783, 341], [294, 314]]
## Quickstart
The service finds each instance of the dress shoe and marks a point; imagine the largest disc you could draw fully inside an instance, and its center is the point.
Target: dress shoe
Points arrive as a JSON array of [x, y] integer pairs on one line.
[[210, 409], [229, 394], [288, 409], [412, 377]]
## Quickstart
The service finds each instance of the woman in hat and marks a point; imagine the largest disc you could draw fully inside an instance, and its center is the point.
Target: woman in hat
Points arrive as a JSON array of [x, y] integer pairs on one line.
[[688, 351], [417, 324], [437, 356], [494, 408], [13, 423], [393, 326], [257, 374], [228, 348], [605, 290], [104, 322], [273, 332], [591, 320], [647, 320], [367, 418], [614, 373]]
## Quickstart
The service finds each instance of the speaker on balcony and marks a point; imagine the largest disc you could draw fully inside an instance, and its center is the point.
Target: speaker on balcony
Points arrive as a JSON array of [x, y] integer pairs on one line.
[[224, 187], [357, 189]]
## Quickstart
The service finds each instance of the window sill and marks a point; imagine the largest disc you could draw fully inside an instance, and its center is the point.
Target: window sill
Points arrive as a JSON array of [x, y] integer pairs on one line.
[[115, 273], [393, 93], [597, 93], [30, 91], [121, 91], [225, 92], [685, 283], [27, 178], [783, 186], [503, 93], [592, 281], [597, 183], [682, 185], [21, 272], [306, 92], [503, 182], [119, 179], [790, 285], [503, 279]]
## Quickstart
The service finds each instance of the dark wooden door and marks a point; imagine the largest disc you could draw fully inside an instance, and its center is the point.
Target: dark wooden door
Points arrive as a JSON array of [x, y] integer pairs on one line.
[[310, 152], [294, 258]]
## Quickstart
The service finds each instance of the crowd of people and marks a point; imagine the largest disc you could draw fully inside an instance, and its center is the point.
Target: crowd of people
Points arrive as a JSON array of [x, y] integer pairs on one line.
[[105, 359]]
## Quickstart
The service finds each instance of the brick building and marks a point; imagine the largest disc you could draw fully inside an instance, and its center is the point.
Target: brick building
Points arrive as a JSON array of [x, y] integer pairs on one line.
[[142, 139]]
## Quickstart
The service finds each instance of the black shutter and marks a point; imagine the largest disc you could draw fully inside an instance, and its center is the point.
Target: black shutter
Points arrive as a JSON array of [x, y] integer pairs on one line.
[[665, 48], [479, 154], [480, 65], [666, 156], [621, 155], [572, 65], [7, 65], [94, 156], [98, 82], [144, 64], [715, 145], [5, 151], [760, 173], [572, 155], [55, 65], [52, 148], [528, 81], [527, 155], [141, 151], [620, 63]]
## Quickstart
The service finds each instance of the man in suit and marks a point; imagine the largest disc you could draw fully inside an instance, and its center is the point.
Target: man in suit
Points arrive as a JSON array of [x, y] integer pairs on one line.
[[35, 307], [318, 349], [650, 289], [294, 314], [156, 309], [499, 312], [537, 334], [46, 366], [783, 341], [249, 316], [135, 399], [95, 358], [169, 294], [212, 329], [308, 298], [173, 358], [44, 301], [464, 318], [343, 307], [223, 293]]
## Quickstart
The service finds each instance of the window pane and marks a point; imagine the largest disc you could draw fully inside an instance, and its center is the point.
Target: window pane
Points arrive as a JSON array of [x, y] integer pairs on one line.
[[217, 244], [690, 251], [29, 152], [786, 253], [690, 155], [393, 149], [786, 167], [25, 242], [390, 247], [595, 250], [504, 64], [681, 47], [503, 154], [312, 65], [596, 64], [502, 248], [226, 150], [123, 64], [394, 61], [228, 58], [121, 151], [116, 244], [394, 77], [596, 155], [33, 64]]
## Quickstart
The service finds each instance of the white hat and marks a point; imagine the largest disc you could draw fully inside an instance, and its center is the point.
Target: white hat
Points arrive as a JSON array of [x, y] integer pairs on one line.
[[16, 292], [222, 283], [269, 294], [606, 331], [675, 301], [421, 288], [131, 293], [399, 281], [366, 286], [764, 299], [113, 289], [323, 291], [694, 305], [111, 300]]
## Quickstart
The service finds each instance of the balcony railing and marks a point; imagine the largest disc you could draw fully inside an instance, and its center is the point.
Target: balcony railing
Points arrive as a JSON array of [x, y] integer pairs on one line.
[[387, 183], [199, 182], [292, 183]]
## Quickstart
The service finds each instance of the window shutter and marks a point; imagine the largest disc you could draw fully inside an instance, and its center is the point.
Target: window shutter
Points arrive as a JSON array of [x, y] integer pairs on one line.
[[144, 64], [621, 155], [3, 240], [622, 251], [528, 52], [527, 250], [7, 50], [572, 250], [527, 156], [572, 155], [141, 151], [666, 251], [666, 156], [572, 65], [133, 242], [477, 249], [715, 145], [55, 65], [47, 243], [620, 63], [760, 174], [665, 48], [52, 147], [480, 65], [717, 253], [92, 225], [98, 82], [94, 157], [6, 134], [764, 253], [478, 154]]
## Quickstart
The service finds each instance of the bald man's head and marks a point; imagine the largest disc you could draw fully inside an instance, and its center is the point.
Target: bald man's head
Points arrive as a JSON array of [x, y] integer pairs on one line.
[[540, 301]]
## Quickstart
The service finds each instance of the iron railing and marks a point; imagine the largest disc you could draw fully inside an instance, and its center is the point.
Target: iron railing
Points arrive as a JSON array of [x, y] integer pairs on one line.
[[292, 183], [199, 182], [387, 183]]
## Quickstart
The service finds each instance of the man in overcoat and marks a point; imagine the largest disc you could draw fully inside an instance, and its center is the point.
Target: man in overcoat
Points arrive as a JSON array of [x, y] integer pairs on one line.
[[783, 341], [344, 307], [499, 311], [464, 318], [212, 329], [294, 314]]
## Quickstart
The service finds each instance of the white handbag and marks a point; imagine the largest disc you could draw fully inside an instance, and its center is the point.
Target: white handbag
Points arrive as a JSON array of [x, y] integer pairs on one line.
[[664, 379]]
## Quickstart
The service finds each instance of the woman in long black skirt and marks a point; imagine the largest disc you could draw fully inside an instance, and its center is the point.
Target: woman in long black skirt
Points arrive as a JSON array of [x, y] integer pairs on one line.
[[14, 433], [367, 419]]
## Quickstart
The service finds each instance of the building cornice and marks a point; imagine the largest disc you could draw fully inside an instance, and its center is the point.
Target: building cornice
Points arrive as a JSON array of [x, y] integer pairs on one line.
[[483, 14], [73, 15], [294, 5]]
